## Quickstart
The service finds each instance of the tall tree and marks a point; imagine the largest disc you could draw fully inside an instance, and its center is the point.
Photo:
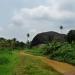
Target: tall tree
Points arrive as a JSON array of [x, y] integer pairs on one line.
[[28, 35], [71, 36], [61, 28]]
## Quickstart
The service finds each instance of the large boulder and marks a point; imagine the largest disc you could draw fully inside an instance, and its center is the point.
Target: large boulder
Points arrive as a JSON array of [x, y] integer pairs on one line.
[[46, 37]]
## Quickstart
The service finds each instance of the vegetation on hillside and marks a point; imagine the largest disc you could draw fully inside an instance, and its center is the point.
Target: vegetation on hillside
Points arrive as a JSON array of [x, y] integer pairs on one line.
[[64, 52]]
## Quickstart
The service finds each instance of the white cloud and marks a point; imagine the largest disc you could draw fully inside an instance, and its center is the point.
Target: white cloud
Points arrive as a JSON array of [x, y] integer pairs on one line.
[[40, 12], [68, 5], [42, 18]]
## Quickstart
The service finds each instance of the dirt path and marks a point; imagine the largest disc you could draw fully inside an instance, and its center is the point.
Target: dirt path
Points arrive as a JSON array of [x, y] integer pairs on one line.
[[20, 67], [63, 68]]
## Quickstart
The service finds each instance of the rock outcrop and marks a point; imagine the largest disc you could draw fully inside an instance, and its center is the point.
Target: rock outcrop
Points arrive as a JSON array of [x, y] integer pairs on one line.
[[46, 37]]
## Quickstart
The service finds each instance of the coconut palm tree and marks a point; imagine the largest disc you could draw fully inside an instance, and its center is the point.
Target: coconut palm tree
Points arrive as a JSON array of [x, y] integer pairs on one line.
[[61, 28], [28, 35]]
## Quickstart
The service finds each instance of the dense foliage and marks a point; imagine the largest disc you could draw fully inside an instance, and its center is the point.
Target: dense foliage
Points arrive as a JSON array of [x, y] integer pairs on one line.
[[64, 52], [71, 36], [10, 44]]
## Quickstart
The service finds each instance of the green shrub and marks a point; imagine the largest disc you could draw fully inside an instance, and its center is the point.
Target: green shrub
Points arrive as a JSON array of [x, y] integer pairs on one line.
[[51, 48], [61, 51]]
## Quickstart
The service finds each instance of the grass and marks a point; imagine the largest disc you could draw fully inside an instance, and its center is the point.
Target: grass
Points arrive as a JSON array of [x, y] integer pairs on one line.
[[8, 61], [35, 51]]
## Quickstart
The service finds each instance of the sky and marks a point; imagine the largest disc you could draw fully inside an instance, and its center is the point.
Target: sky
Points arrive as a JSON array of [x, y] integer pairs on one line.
[[19, 17]]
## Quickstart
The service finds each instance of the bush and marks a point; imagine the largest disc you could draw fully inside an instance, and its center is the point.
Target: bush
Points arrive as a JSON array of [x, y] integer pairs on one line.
[[64, 52], [51, 48]]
